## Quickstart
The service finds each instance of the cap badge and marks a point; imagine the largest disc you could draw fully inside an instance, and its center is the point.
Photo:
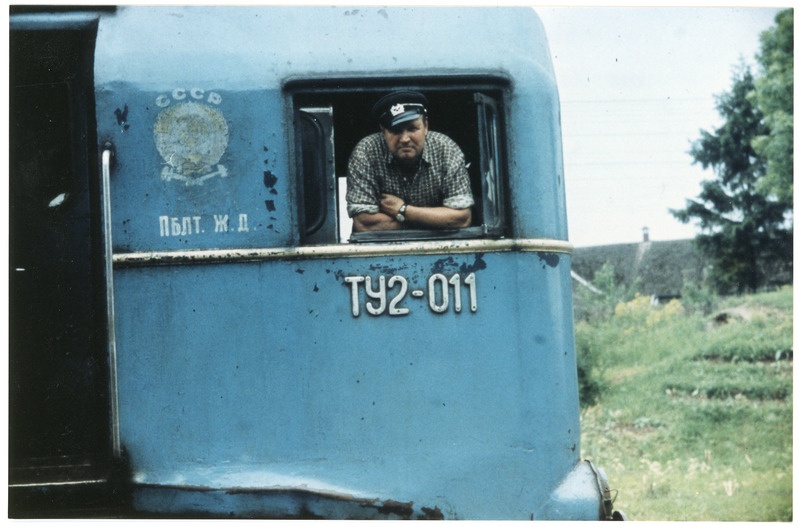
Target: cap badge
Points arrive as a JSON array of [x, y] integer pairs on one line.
[[397, 109]]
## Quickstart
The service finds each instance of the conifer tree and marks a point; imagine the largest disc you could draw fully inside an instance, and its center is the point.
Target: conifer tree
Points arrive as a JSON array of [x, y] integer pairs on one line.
[[741, 226]]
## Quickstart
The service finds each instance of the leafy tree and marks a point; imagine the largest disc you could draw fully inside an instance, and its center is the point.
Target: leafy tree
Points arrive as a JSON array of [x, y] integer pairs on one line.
[[741, 227], [774, 98]]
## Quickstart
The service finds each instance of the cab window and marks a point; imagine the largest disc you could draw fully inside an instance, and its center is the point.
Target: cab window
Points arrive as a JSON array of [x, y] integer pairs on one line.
[[330, 121]]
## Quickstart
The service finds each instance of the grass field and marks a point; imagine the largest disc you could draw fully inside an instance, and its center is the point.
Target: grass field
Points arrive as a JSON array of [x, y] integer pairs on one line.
[[693, 419]]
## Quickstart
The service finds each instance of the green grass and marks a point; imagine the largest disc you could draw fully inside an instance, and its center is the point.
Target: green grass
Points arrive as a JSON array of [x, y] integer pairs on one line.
[[693, 413]]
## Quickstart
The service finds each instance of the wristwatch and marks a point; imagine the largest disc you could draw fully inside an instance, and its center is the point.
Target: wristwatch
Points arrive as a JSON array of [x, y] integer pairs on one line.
[[401, 213]]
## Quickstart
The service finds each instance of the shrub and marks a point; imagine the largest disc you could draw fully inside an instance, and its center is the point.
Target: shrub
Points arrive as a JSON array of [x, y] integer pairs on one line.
[[697, 299], [596, 307], [589, 369]]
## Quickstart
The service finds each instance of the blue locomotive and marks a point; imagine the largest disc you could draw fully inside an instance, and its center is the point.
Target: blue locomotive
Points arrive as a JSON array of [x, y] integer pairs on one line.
[[195, 331]]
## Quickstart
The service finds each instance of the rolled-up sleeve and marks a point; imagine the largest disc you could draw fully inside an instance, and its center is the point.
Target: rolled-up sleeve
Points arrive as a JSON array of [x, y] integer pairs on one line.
[[457, 185], [459, 202]]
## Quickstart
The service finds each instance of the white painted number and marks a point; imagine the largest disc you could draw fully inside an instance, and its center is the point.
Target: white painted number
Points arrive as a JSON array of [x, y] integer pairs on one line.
[[380, 294], [356, 304], [471, 281], [392, 307], [432, 295], [455, 281], [382, 297]]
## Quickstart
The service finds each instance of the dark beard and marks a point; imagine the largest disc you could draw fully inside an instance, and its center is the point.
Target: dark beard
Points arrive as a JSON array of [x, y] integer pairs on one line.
[[408, 166]]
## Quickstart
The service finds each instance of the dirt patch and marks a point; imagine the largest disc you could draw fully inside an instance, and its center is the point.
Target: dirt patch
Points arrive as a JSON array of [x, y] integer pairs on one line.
[[742, 313]]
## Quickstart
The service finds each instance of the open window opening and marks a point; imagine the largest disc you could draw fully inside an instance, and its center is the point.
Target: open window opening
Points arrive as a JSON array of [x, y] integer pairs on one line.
[[330, 120]]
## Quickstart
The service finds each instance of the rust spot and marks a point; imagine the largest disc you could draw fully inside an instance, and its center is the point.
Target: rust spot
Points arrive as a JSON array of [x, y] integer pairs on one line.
[[269, 179], [432, 514], [478, 265], [550, 259], [449, 264], [441, 265], [122, 117], [404, 510]]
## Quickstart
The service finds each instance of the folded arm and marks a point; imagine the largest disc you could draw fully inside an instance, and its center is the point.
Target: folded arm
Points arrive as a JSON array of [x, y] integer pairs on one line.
[[416, 217]]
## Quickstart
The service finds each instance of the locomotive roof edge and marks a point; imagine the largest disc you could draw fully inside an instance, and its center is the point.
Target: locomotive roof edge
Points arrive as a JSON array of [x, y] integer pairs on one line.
[[203, 44]]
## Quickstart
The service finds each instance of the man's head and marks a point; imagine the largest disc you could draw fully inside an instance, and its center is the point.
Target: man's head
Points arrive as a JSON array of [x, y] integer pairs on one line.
[[403, 122]]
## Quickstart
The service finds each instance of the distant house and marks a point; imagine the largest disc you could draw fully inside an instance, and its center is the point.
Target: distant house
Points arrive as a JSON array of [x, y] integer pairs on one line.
[[662, 268]]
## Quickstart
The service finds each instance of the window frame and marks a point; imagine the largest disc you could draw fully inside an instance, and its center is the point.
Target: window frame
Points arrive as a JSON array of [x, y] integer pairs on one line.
[[486, 152]]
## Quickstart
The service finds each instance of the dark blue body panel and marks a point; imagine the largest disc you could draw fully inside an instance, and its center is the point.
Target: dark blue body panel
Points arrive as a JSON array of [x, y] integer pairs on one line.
[[268, 381]]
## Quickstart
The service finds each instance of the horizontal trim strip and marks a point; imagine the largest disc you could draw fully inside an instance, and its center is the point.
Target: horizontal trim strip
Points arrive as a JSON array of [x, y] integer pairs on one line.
[[314, 252], [57, 483]]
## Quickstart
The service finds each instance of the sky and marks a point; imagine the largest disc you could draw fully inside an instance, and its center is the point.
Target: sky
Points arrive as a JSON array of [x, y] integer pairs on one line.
[[637, 84]]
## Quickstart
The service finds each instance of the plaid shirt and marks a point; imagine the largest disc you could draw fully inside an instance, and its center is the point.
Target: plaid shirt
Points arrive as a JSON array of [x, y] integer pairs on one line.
[[441, 178]]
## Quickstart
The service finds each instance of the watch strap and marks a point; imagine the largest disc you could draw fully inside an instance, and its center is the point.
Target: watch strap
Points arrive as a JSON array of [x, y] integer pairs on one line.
[[401, 213]]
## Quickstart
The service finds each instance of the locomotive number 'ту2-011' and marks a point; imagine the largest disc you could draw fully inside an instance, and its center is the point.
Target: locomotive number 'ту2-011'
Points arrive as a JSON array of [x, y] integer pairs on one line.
[[438, 291]]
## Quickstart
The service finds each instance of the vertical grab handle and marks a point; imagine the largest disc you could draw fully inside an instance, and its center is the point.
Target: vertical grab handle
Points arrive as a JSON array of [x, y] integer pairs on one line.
[[109, 280]]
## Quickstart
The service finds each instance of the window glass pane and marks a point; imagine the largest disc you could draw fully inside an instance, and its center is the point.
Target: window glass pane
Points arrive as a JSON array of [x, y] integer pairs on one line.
[[313, 169], [318, 169], [490, 164]]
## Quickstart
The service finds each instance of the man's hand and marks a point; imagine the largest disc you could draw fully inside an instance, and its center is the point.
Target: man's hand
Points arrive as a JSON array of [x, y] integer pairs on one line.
[[390, 205]]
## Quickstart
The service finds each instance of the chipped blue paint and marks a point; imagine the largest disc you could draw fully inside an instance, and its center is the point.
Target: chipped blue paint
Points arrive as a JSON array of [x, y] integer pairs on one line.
[[268, 377]]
